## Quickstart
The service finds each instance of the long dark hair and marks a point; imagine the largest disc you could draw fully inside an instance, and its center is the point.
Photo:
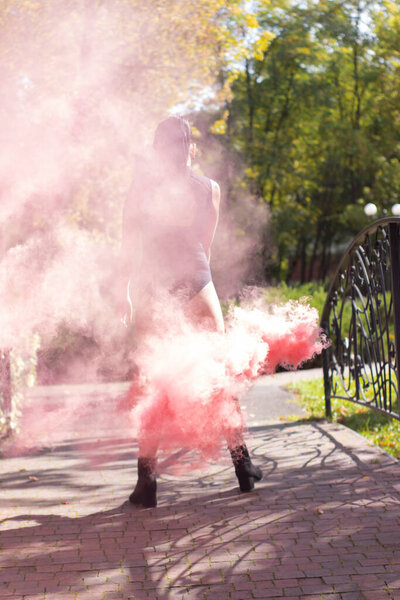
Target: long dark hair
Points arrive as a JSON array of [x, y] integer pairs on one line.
[[172, 140]]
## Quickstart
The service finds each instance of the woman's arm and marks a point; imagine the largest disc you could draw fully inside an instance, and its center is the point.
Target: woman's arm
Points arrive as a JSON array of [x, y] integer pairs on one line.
[[212, 219]]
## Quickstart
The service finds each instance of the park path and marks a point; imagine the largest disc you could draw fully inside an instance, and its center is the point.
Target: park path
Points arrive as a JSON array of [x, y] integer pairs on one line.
[[323, 524]]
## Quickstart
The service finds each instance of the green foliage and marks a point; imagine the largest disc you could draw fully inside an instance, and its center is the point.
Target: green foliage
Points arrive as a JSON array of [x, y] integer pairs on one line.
[[23, 366], [74, 355], [106, 72], [315, 123], [314, 292], [375, 426]]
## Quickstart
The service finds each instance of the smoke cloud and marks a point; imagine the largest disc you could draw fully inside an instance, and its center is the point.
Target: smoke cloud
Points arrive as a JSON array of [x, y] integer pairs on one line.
[[78, 107]]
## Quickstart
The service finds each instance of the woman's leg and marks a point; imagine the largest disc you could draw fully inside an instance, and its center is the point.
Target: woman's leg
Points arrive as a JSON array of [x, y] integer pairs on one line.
[[205, 309], [145, 491]]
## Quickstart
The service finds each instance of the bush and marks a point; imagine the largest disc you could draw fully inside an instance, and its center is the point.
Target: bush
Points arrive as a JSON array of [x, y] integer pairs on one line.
[[19, 369], [315, 292], [75, 356]]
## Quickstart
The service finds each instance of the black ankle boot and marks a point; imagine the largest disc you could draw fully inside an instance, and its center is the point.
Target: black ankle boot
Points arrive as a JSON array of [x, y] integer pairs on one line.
[[145, 492], [245, 471]]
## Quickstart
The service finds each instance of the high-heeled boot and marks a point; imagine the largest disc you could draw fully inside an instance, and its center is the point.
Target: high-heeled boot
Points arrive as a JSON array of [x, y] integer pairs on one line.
[[145, 492], [245, 471]]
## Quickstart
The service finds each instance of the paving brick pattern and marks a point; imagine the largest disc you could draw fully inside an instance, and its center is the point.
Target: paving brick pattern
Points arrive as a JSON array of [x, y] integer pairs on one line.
[[324, 524]]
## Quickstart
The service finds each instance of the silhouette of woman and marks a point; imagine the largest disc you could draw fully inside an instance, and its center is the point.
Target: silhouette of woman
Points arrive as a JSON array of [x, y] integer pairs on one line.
[[169, 222]]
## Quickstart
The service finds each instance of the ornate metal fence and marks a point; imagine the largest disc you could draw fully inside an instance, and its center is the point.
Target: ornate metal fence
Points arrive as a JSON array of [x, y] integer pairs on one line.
[[362, 318]]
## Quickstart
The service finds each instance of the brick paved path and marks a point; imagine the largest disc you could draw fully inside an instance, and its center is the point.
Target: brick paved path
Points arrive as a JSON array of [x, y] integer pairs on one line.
[[323, 524]]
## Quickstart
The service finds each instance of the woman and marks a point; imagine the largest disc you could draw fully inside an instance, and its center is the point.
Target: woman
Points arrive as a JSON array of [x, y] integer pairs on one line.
[[169, 222]]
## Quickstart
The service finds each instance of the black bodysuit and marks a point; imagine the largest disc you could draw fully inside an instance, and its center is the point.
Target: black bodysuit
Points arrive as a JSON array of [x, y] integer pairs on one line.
[[174, 258]]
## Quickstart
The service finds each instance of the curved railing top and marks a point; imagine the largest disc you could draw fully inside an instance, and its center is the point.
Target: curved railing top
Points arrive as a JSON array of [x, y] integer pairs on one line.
[[361, 317], [369, 229]]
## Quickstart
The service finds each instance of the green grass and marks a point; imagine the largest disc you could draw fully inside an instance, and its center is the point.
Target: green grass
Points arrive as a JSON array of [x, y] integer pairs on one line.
[[315, 293], [374, 426]]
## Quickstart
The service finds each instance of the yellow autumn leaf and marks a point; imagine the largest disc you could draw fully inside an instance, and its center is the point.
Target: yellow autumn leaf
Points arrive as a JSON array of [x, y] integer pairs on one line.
[[218, 127], [251, 21], [261, 44]]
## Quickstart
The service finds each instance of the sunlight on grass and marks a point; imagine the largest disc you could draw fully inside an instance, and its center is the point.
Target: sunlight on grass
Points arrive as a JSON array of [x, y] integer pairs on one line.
[[376, 427]]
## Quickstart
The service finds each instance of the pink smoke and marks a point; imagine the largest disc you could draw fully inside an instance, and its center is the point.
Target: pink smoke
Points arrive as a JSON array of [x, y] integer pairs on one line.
[[75, 113], [68, 134], [189, 380]]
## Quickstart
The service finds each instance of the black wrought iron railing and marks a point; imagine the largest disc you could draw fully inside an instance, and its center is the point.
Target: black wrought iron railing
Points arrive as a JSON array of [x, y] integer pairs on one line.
[[362, 319]]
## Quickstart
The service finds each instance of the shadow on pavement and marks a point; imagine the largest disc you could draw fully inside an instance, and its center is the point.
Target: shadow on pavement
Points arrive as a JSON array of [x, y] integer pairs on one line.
[[324, 521]]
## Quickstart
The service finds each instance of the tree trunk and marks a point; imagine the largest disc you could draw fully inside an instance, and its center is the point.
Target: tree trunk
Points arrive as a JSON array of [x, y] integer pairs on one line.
[[293, 261], [314, 252], [325, 257], [303, 256], [250, 102]]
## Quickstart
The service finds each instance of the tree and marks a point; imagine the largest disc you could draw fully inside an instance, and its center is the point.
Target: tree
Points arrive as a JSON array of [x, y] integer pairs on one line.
[[311, 118], [84, 83]]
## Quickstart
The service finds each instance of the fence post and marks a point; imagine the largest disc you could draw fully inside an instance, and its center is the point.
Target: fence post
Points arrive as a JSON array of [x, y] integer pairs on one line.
[[395, 275], [327, 383]]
